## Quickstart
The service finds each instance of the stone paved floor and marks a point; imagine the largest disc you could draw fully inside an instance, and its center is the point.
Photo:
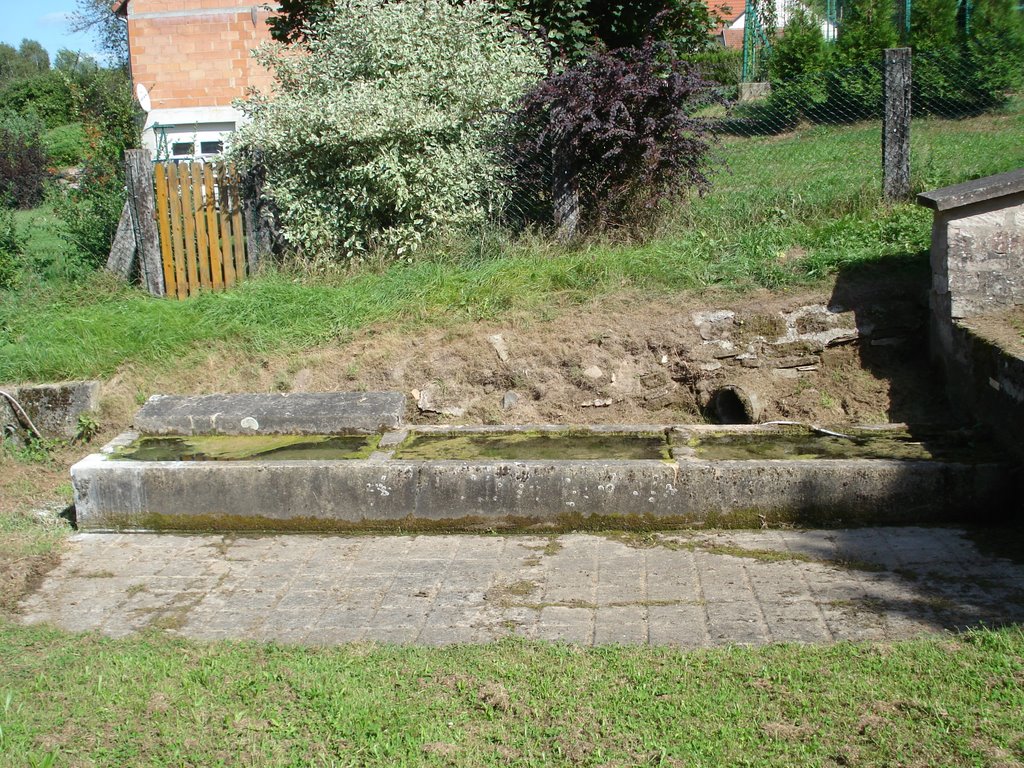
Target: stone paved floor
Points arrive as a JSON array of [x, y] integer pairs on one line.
[[690, 590]]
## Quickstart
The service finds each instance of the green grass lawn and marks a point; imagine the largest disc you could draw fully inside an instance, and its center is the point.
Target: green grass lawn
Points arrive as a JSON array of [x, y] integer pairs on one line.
[[157, 701]]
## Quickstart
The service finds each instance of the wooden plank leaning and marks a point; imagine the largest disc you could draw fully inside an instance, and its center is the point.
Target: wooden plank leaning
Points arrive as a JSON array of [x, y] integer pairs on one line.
[[122, 252]]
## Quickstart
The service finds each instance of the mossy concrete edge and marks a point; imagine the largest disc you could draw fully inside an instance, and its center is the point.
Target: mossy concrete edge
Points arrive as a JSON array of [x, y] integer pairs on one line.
[[386, 494]]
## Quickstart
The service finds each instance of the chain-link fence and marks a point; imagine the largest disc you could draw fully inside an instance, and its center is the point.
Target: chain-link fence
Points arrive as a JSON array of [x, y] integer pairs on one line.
[[813, 144], [819, 136]]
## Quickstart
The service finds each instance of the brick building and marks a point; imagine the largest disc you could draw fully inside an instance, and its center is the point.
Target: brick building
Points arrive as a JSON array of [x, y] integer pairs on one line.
[[193, 58]]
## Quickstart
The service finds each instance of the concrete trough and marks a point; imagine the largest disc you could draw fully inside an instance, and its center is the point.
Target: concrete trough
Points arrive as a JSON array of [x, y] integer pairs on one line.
[[680, 489]]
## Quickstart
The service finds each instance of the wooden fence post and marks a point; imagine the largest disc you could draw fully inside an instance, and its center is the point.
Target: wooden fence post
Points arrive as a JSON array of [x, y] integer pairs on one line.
[[896, 126], [138, 165]]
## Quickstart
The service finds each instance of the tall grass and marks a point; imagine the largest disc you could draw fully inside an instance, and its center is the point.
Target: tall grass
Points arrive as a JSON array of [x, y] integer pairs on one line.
[[783, 211]]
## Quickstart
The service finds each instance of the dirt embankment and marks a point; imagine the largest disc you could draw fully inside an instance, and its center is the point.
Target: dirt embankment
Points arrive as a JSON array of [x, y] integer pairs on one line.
[[829, 357]]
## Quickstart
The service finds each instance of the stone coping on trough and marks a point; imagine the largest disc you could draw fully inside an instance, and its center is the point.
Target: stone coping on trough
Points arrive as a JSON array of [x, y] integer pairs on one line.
[[971, 192], [299, 413], [383, 493]]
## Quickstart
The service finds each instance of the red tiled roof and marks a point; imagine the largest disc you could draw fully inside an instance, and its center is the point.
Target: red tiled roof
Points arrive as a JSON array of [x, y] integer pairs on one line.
[[726, 11]]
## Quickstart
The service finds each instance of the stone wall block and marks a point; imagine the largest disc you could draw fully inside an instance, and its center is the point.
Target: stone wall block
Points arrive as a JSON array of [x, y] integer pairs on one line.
[[53, 408]]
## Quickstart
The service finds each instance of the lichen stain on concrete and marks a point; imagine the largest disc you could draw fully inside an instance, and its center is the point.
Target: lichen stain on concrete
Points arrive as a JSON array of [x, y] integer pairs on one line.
[[566, 522]]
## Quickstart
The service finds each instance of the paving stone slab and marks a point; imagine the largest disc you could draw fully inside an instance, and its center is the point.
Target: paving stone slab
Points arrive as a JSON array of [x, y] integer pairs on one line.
[[587, 589]]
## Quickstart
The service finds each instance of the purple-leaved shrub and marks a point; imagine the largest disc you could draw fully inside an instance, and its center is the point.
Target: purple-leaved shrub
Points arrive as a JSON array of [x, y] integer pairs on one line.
[[22, 167], [618, 131]]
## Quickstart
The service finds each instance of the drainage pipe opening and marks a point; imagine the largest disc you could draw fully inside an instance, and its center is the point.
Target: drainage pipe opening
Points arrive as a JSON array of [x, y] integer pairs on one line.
[[734, 405]]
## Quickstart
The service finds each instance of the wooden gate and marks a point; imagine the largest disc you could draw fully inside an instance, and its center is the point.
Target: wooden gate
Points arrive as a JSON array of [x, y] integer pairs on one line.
[[199, 217]]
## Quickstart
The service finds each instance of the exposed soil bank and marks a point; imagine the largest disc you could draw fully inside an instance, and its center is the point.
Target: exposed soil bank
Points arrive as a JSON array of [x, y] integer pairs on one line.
[[853, 354]]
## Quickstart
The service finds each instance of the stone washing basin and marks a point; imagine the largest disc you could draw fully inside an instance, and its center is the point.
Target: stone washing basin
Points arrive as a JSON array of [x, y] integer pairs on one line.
[[327, 463]]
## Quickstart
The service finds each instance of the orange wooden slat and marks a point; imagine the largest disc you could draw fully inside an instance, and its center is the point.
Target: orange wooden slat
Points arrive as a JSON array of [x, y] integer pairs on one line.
[[213, 230], [188, 213], [163, 221], [199, 216], [177, 238], [224, 204]]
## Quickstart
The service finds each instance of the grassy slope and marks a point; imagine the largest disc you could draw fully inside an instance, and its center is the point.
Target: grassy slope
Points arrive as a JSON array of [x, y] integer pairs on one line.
[[786, 211], [159, 701]]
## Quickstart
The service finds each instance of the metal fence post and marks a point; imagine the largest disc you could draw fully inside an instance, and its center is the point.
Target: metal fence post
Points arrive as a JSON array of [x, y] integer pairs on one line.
[[138, 166], [896, 125]]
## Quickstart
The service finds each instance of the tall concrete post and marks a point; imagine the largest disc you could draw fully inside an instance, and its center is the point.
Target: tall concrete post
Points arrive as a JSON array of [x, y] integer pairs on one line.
[[896, 125]]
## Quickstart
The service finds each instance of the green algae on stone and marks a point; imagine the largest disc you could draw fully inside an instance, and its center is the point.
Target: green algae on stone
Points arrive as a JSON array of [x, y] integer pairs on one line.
[[564, 522], [796, 443], [537, 446], [251, 447]]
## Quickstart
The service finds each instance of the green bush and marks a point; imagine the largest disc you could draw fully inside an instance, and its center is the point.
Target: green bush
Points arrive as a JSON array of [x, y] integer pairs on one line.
[[570, 27], [46, 95], [800, 50], [378, 135], [11, 247], [89, 213], [960, 66], [575, 27], [65, 145], [796, 68], [723, 66], [959, 70], [103, 97]]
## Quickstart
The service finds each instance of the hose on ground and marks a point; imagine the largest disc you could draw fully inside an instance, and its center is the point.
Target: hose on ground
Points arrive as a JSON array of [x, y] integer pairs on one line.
[[20, 414]]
